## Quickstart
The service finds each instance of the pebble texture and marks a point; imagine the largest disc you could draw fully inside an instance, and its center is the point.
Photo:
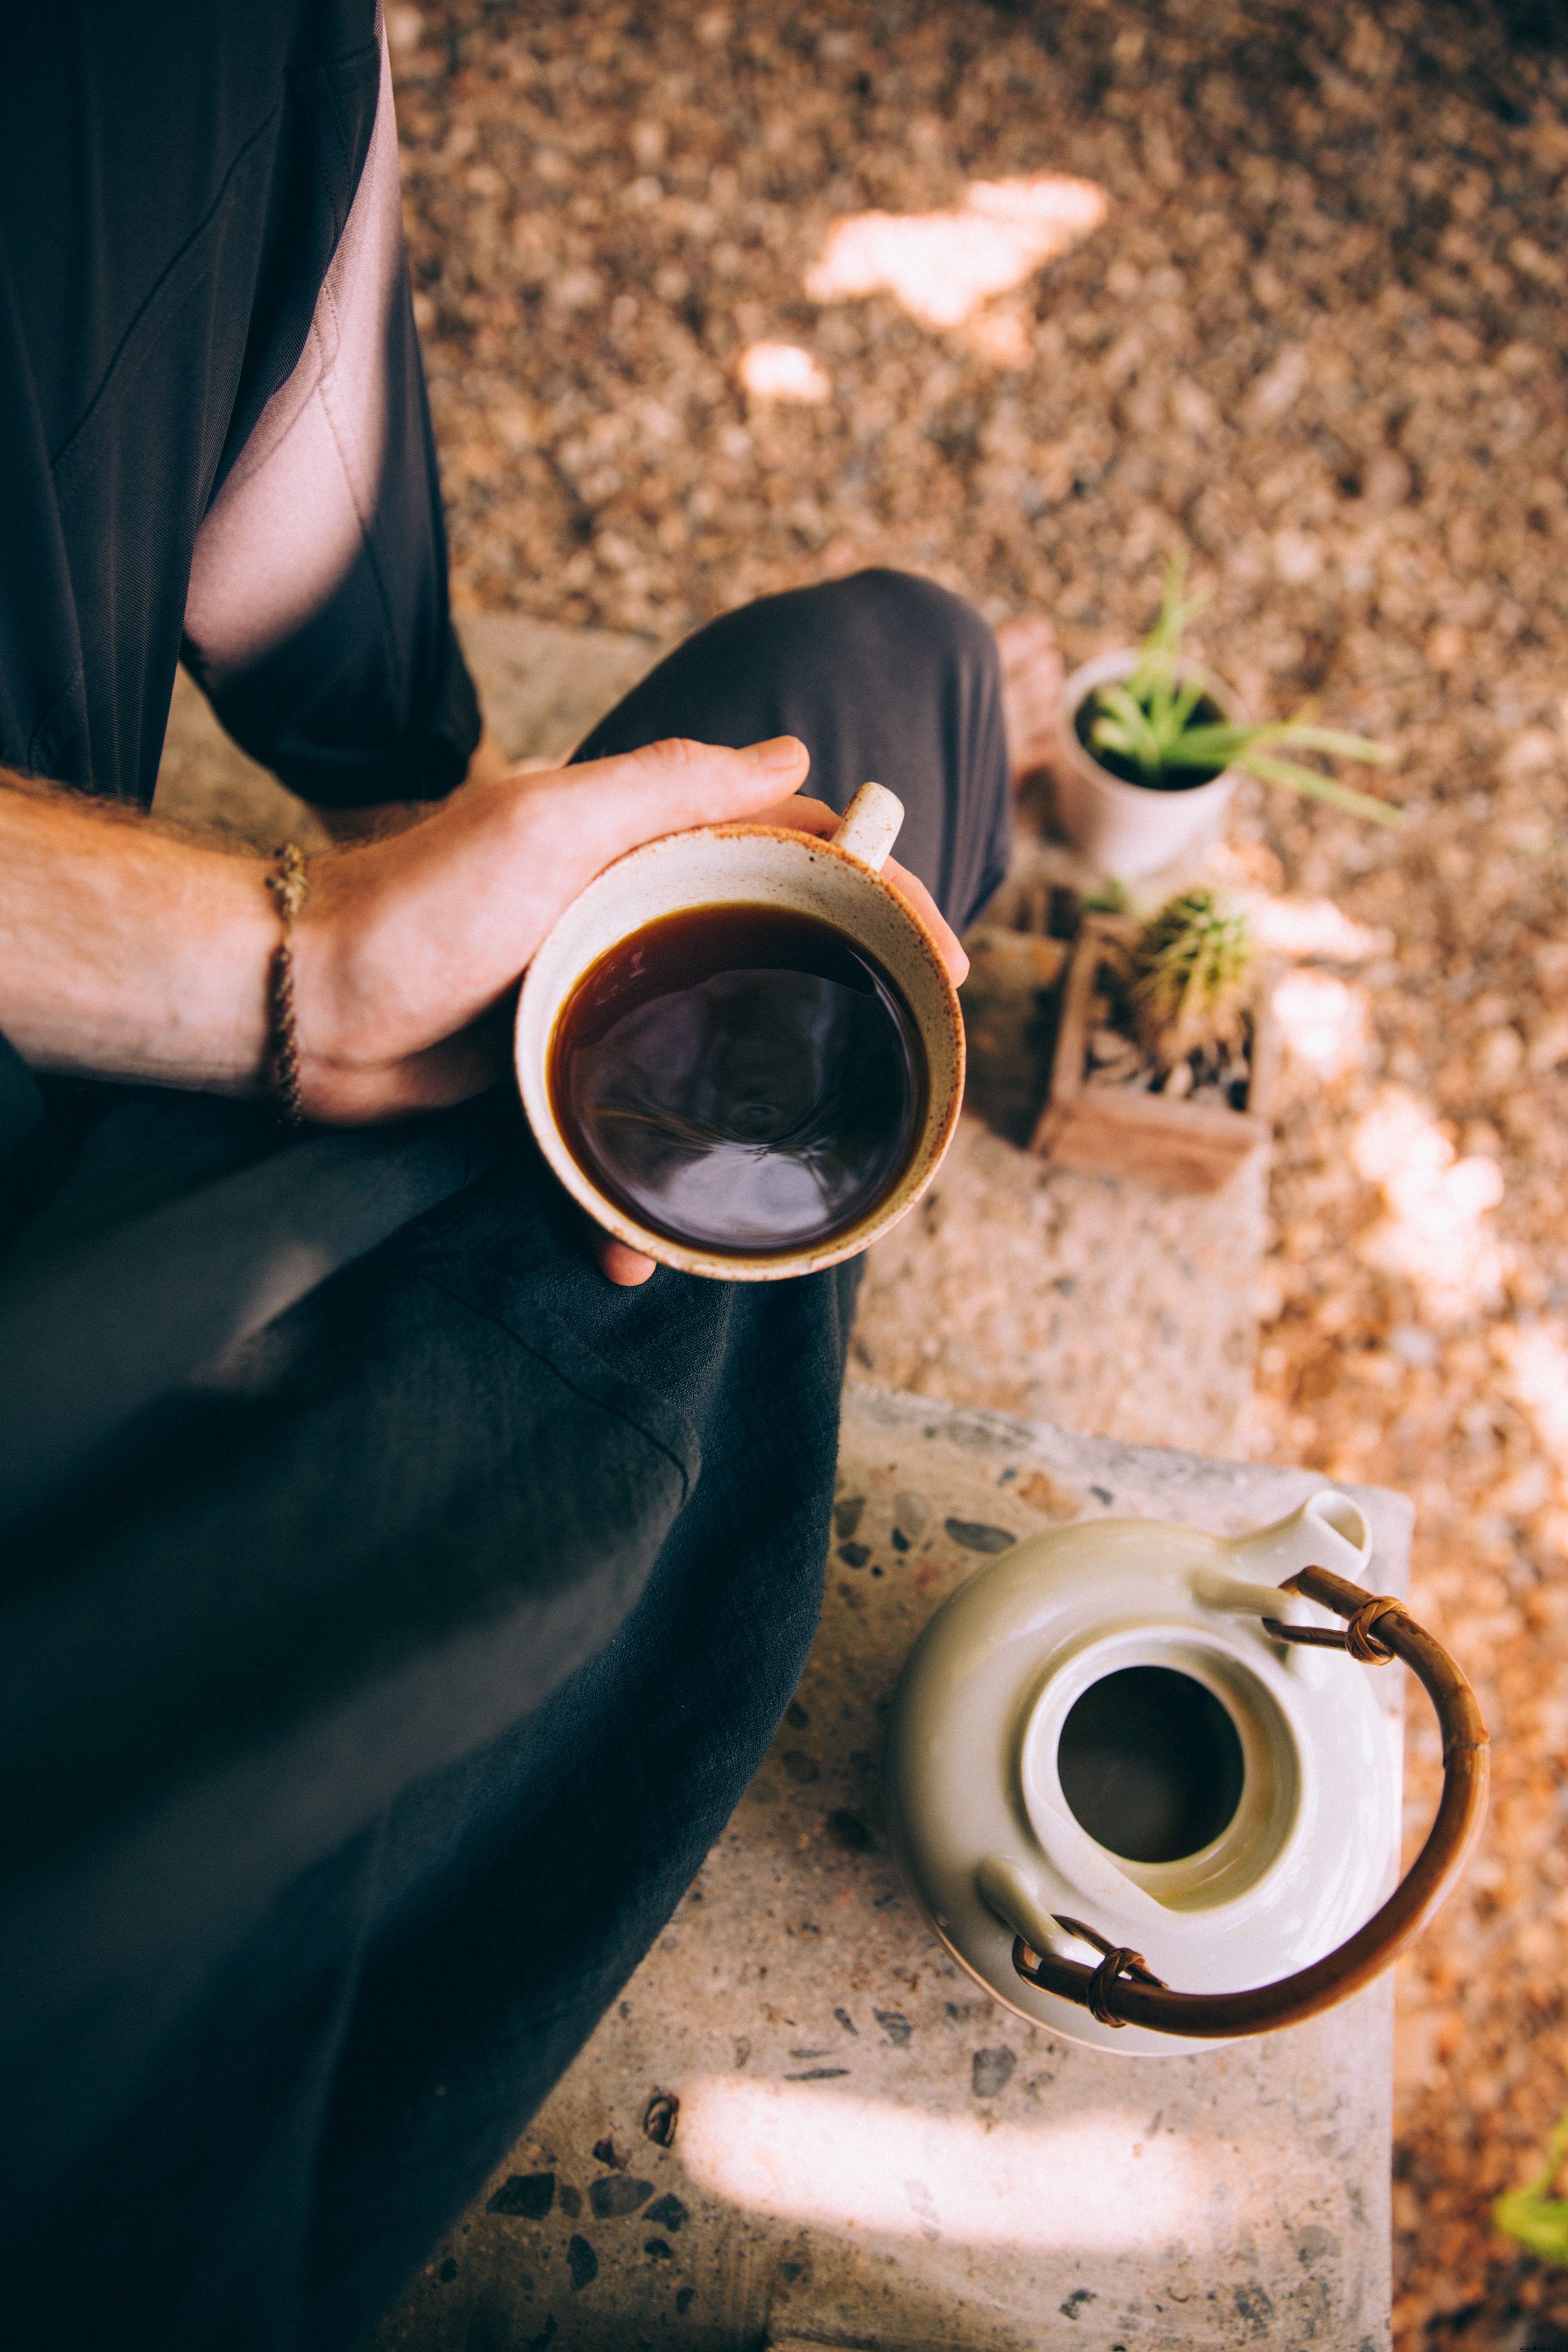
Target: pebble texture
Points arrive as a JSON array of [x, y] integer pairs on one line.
[[870, 2152]]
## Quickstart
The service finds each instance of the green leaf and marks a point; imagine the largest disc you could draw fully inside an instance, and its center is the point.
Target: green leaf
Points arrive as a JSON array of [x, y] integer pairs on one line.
[[1143, 683], [1536, 2223], [1165, 636], [1145, 719], [1143, 743], [1331, 739], [1122, 702], [1107, 736], [1187, 701], [1161, 702], [1308, 782], [1204, 747], [1531, 2216]]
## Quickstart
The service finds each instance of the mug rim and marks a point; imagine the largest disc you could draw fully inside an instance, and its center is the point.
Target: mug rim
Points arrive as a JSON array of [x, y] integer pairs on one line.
[[779, 1266]]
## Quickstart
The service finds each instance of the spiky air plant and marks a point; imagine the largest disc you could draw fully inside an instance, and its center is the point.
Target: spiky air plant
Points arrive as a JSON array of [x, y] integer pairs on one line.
[[1160, 728], [1191, 977]]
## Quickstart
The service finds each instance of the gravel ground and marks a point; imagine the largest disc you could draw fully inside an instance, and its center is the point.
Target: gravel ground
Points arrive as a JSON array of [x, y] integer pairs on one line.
[[1317, 341]]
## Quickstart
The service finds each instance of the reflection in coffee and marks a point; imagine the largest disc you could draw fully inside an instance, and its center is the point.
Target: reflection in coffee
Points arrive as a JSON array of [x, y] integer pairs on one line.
[[743, 1079]]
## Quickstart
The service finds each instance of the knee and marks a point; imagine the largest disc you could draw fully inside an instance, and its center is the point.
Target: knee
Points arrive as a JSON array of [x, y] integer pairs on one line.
[[912, 615]]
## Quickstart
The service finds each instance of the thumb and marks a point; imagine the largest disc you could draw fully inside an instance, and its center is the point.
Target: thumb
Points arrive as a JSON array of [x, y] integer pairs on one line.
[[668, 786]]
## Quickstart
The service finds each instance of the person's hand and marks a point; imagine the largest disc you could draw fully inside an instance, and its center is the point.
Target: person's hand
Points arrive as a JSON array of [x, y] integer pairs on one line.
[[409, 950], [801, 815]]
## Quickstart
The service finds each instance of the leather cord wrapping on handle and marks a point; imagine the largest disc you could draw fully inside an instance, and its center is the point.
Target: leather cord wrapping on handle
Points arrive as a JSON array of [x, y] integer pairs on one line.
[[1379, 1629]]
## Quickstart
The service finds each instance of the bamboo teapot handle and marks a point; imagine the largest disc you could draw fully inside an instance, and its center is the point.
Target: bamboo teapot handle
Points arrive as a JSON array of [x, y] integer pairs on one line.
[[1123, 1990]]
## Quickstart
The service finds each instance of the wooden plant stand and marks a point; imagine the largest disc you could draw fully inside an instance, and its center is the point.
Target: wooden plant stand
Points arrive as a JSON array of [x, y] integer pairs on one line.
[[1177, 1147]]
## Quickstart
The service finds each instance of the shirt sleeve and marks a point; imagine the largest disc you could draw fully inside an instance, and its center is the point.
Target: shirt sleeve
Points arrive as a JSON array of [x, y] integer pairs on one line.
[[317, 621]]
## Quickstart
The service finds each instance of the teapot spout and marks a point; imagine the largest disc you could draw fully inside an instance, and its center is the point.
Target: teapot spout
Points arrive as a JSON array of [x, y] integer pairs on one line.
[[1329, 1531]]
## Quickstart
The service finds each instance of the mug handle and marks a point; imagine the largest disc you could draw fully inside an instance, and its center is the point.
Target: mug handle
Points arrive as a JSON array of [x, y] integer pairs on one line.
[[869, 826]]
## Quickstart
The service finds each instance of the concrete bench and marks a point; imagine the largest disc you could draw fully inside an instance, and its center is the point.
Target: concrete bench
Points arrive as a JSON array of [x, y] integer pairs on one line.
[[870, 2151]]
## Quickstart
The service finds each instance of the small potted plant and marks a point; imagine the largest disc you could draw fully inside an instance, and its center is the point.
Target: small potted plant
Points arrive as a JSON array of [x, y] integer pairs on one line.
[[1150, 746], [1163, 1065]]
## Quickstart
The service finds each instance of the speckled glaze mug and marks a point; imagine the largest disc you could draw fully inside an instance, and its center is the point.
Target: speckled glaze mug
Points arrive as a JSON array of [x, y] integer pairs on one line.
[[837, 881]]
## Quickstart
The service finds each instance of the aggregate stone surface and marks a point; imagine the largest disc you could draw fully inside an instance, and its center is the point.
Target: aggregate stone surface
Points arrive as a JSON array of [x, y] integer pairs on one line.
[[1091, 1299], [869, 2151]]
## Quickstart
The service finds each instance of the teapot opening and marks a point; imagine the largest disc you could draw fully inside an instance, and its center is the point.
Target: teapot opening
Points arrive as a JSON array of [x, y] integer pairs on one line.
[[1151, 1764]]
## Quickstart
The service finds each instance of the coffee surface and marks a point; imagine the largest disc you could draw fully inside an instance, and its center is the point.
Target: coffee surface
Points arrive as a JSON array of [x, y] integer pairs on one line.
[[742, 1079]]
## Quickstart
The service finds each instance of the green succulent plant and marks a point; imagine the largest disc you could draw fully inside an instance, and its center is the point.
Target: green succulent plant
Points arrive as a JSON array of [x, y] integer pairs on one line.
[[1161, 729], [1532, 2216], [1192, 967]]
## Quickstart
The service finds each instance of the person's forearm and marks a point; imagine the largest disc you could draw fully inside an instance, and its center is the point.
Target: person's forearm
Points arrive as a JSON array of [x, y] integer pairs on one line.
[[127, 953]]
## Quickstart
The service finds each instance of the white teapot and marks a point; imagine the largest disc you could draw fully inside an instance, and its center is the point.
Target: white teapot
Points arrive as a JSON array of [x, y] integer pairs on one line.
[[1123, 1738]]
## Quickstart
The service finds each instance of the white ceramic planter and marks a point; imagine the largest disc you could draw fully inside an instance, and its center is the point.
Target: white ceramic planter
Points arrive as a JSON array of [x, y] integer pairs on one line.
[[1130, 830]]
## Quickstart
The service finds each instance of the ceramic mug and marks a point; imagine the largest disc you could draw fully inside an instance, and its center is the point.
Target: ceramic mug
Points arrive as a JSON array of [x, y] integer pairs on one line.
[[839, 882]]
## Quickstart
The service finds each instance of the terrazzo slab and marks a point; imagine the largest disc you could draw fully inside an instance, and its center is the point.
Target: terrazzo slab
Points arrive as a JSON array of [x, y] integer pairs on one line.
[[1092, 1300], [869, 2151]]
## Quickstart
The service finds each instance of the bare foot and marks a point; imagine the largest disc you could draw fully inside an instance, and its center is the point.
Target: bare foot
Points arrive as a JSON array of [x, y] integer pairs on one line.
[[1031, 673]]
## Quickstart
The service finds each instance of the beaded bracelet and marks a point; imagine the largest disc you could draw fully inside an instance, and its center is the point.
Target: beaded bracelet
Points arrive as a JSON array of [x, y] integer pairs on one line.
[[288, 886]]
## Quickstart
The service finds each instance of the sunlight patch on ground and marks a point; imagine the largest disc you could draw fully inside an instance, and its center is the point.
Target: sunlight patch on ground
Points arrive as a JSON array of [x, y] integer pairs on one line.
[[1312, 927], [1322, 1021], [1000, 334], [1094, 2181], [1435, 1234], [1537, 1358], [782, 372], [942, 266]]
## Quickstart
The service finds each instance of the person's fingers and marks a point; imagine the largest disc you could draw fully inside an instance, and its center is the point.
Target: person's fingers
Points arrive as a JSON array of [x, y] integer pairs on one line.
[[669, 787], [930, 917], [406, 942], [802, 816], [618, 1264], [702, 784], [623, 1266]]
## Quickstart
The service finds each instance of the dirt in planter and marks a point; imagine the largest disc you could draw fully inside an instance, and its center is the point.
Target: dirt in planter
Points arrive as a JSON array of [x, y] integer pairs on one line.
[[1216, 1077], [1207, 713]]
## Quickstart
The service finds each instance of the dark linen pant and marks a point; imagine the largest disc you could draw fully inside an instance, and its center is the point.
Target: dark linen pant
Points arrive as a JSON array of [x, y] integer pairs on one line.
[[391, 1609]]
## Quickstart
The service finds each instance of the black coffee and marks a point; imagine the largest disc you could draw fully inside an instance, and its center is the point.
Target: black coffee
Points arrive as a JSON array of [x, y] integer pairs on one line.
[[738, 1079]]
